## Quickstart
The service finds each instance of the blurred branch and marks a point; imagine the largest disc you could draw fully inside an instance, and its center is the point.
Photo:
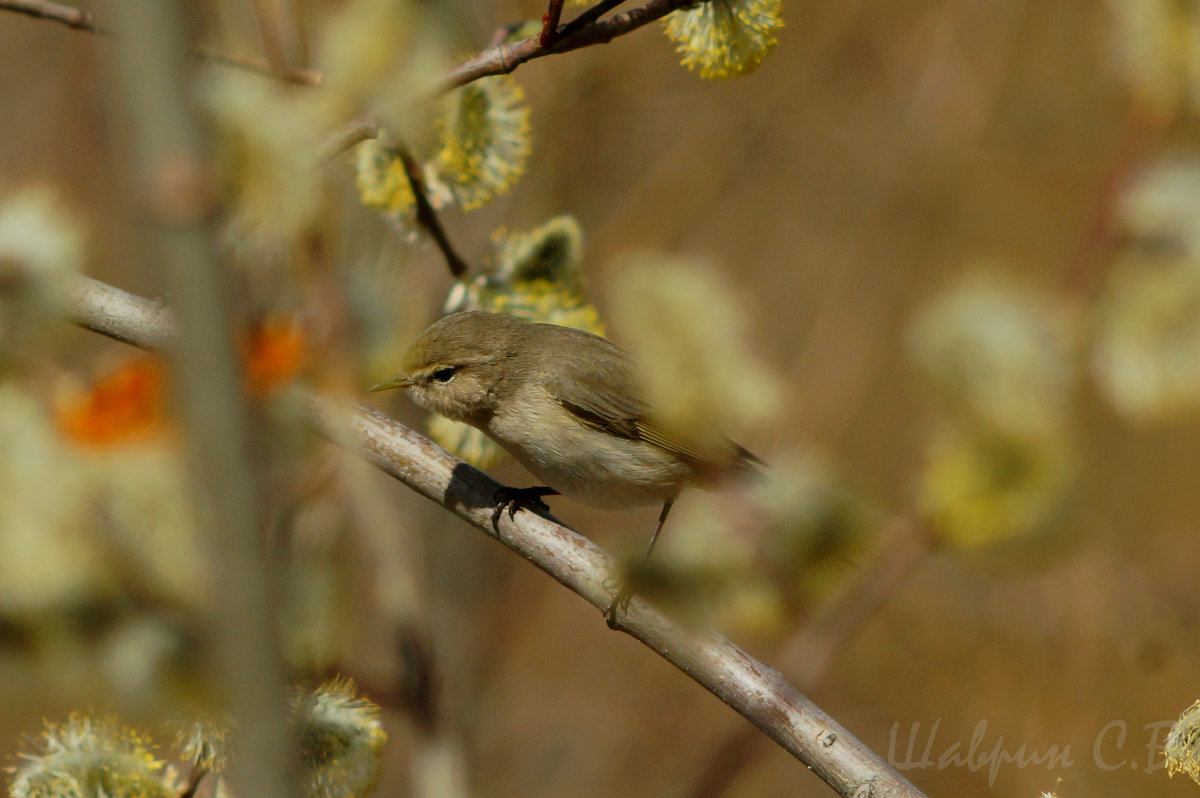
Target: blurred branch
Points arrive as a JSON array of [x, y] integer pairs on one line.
[[86, 20], [118, 314], [501, 59], [169, 146], [271, 28], [904, 546], [1142, 136], [299, 77], [347, 136], [71, 17], [756, 691]]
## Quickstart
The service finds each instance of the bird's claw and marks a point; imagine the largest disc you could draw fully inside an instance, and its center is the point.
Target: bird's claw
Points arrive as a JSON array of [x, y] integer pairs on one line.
[[513, 499], [619, 604]]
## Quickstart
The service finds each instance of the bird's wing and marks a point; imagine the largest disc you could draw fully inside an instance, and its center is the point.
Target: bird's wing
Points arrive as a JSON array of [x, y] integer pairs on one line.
[[604, 393], [600, 390]]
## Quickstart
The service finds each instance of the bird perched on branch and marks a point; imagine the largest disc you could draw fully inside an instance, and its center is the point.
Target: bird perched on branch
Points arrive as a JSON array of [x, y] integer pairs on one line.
[[569, 407]]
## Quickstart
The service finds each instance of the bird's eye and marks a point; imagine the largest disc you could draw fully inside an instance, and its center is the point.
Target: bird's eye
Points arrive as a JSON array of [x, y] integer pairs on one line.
[[444, 374]]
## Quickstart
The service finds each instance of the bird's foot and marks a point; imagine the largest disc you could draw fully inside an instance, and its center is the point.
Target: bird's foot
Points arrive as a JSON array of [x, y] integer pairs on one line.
[[619, 604], [513, 499]]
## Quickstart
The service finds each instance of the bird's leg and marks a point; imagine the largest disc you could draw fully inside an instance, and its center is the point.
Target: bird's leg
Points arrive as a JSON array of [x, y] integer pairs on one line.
[[513, 499], [624, 595], [662, 519]]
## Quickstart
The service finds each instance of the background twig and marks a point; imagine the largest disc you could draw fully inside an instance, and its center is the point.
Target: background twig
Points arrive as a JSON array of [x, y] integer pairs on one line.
[[86, 21], [299, 77], [71, 17], [346, 137]]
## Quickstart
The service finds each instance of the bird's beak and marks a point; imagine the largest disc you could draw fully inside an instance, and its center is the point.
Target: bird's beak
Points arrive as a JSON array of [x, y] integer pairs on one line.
[[401, 381]]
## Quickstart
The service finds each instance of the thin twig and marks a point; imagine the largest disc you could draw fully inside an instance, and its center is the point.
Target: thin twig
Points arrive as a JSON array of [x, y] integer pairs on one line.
[[756, 691], [504, 58], [903, 547], [298, 77], [426, 216], [42, 9], [1144, 130], [589, 16], [270, 28], [550, 23], [86, 21]]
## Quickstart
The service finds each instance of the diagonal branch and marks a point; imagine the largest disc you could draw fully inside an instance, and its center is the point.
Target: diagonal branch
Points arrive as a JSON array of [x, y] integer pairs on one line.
[[426, 216], [504, 58], [756, 691]]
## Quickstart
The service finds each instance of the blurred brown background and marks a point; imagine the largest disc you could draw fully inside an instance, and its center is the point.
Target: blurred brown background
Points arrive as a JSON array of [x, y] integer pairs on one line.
[[884, 149]]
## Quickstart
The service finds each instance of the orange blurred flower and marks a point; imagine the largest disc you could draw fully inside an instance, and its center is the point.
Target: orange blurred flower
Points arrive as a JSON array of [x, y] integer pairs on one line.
[[274, 352], [125, 405]]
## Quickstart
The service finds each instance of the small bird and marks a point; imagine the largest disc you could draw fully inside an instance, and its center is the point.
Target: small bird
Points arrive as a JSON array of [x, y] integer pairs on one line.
[[569, 407]]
